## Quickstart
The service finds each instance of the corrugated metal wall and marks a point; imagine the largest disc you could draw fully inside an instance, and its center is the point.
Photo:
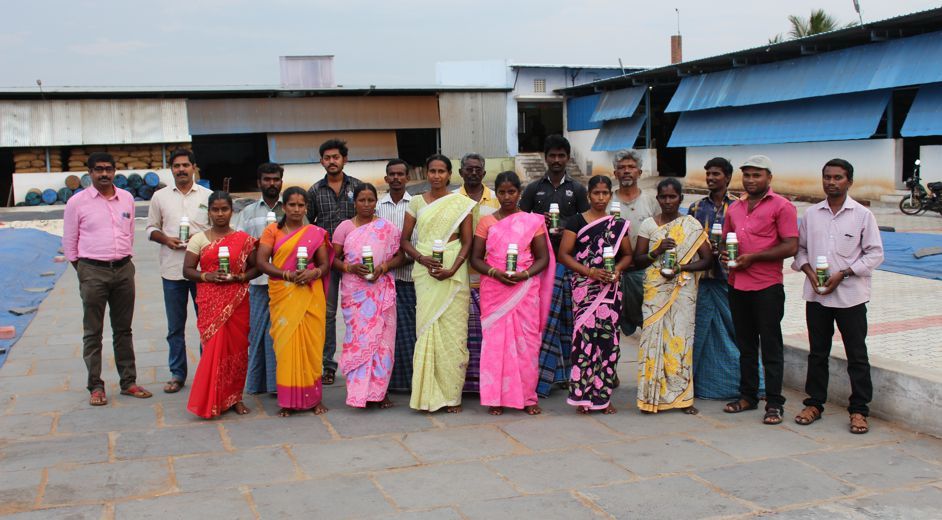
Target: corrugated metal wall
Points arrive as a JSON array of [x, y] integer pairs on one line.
[[92, 121], [579, 112], [310, 114], [474, 122], [302, 147]]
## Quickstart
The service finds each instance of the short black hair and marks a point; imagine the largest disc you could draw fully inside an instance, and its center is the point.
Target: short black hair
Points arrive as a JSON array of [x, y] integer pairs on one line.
[[844, 165], [334, 144], [180, 152], [599, 179], [438, 157], [507, 176], [394, 162], [556, 141], [721, 163], [672, 183], [270, 167], [362, 187], [97, 157], [219, 195]]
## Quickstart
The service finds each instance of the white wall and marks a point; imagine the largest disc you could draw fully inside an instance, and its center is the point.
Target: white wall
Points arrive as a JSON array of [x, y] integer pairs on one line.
[[931, 163], [304, 175], [581, 142], [23, 182], [796, 167]]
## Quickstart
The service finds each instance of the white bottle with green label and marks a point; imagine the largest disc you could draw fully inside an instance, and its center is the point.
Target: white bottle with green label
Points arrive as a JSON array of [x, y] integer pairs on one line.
[[438, 251], [669, 262], [302, 258], [716, 234], [511, 259], [270, 218], [608, 258], [367, 254], [732, 248], [184, 229], [554, 216], [822, 273], [224, 259], [615, 209]]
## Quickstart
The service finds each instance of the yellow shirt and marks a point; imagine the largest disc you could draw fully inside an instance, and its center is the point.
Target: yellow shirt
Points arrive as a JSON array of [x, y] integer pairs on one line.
[[487, 205]]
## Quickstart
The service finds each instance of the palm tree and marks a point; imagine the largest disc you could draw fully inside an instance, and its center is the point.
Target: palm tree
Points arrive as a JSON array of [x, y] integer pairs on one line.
[[818, 22]]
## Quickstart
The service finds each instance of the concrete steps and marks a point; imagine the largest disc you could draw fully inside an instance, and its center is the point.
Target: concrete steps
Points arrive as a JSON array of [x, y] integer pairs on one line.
[[532, 166]]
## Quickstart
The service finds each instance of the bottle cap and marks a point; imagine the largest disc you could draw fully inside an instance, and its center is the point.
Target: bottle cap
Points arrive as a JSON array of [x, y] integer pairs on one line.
[[367, 251], [608, 251], [302, 250], [438, 244], [223, 251], [271, 216], [717, 227], [615, 206], [730, 236], [512, 247], [554, 206], [184, 220], [822, 260]]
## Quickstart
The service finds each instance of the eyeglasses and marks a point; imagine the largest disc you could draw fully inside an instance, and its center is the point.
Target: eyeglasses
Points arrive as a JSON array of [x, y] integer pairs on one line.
[[103, 169]]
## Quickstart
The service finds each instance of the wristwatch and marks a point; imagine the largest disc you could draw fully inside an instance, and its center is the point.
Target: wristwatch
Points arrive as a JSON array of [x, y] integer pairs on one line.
[[847, 273]]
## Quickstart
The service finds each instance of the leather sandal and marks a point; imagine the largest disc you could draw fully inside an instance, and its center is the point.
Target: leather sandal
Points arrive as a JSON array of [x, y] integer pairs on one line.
[[98, 398], [740, 405], [808, 415], [136, 391], [858, 424]]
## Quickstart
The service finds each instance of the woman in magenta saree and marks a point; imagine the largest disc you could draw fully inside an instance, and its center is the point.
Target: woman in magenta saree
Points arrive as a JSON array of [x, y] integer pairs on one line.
[[368, 300], [596, 296], [514, 307], [223, 321]]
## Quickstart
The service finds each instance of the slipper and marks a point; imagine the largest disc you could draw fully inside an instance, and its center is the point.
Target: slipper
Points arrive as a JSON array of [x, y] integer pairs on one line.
[[858, 424], [136, 391], [98, 398], [808, 415], [772, 417], [173, 386], [739, 406], [328, 377]]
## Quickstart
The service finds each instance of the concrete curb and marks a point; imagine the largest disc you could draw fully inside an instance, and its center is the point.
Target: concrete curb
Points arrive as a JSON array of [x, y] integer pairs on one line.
[[900, 394]]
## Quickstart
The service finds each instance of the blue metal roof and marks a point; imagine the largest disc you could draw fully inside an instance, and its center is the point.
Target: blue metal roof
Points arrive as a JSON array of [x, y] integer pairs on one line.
[[579, 112], [895, 63], [618, 134], [925, 116], [831, 118], [618, 104]]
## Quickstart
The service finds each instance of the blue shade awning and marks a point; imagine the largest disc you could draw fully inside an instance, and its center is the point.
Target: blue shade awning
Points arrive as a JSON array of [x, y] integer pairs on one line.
[[831, 118], [618, 134], [876, 66], [925, 116], [618, 104], [579, 112]]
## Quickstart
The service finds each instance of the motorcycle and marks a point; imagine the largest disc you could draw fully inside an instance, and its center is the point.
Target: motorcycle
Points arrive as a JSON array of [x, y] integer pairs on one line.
[[919, 200]]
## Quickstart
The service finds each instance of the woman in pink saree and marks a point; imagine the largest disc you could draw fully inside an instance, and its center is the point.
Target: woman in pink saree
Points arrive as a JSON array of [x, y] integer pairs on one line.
[[514, 304], [367, 299]]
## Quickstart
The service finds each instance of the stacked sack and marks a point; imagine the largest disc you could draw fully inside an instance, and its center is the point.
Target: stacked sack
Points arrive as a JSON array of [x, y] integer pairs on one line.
[[33, 160]]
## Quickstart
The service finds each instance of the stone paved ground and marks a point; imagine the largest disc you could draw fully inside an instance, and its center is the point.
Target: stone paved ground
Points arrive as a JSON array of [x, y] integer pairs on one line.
[[60, 458]]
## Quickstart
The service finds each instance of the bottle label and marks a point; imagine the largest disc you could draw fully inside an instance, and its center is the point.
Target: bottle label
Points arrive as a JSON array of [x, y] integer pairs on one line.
[[554, 220], [511, 263], [302, 263], [732, 250], [823, 276], [670, 260], [184, 233], [438, 256], [224, 264], [609, 264], [368, 262]]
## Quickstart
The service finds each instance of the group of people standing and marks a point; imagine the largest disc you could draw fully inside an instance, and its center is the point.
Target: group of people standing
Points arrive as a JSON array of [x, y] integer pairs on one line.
[[505, 293]]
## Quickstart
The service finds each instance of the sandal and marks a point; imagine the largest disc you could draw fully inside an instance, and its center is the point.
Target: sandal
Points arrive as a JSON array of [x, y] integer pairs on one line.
[[98, 398], [741, 405], [136, 391], [173, 386], [533, 409], [858, 424], [772, 417], [329, 377], [808, 415]]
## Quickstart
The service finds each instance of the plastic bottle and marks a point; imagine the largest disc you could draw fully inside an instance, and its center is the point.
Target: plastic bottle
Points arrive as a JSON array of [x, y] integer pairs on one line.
[[270, 217], [184, 229], [615, 209], [608, 258], [438, 251], [224, 259], [669, 262], [732, 248], [554, 216], [512, 258], [302, 258], [367, 254], [716, 234], [821, 270]]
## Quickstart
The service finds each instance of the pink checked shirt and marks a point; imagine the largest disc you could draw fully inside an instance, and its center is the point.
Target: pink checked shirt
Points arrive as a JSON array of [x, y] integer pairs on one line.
[[771, 221], [98, 228], [849, 238]]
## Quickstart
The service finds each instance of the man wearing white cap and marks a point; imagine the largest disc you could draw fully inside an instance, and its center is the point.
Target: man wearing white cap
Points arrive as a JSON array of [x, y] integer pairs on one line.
[[766, 229]]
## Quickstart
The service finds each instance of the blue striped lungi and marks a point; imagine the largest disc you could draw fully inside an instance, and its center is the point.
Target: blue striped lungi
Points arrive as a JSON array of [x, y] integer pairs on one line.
[[472, 380], [260, 376], [401, 379], [556, 346]]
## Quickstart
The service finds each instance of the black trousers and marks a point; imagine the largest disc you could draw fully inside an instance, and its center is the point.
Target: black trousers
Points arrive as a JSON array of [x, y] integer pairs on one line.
[[114, 288], [757, 318], [852, 322]]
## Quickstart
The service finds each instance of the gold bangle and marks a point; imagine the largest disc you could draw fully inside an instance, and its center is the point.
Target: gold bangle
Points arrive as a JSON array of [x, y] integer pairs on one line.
[[491, 271], [527, 271], [202, 277]]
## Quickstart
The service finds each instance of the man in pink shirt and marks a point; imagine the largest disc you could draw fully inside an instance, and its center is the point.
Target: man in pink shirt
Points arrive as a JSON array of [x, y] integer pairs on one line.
[[98, 239], [845, 234], [766, 226]]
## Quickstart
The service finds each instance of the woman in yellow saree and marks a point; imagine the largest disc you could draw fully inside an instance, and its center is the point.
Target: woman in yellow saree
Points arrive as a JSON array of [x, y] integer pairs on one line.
[[298, 304], [441, 287], [665, 357]]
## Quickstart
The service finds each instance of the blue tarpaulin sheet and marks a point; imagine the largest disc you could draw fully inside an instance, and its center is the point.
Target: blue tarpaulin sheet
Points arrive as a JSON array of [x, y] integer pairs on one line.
[[25, 254], [898, 249]]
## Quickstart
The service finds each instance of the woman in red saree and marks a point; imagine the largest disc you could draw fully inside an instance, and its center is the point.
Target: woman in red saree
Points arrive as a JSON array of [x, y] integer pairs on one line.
[[514, 305], [223, 321]]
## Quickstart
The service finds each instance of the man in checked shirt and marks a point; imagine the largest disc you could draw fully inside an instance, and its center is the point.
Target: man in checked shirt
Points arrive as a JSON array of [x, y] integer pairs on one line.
[[331, 202]]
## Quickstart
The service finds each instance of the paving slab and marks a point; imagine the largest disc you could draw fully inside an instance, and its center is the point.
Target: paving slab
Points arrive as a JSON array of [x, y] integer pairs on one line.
[[19, 426], [352, 456], [432, 486], [459, 444], [631, 422], [776, 482], [164, 442], [758, 441], [301, 429], [64, 401], [924, 447], [544, 433], [140, 416], [360, 423], [670, 497], [875, 467], [243, 468], [919, 504], [318, 499], [557, 506], [227, 503], [110, 481], [72, 449], [18, 489], [670, 454], [442, 513], [542, 472], [93, 512], [20, 385]]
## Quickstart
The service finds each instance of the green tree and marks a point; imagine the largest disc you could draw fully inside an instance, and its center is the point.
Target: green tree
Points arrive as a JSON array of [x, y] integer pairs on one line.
[[818, 22]]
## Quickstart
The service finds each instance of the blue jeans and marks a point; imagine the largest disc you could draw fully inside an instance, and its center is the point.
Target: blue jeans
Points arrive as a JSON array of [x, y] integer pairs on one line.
[[175, 301]]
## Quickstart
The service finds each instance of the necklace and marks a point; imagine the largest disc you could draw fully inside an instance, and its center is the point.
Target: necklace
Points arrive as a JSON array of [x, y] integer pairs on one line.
[[357, 223]]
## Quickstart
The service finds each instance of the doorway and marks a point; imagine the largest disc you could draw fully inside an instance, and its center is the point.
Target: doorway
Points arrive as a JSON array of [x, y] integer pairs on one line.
[[231, 155], [535, 121]]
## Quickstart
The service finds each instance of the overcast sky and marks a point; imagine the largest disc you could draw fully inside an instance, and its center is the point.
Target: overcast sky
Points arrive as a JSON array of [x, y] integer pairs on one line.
[[390, 42]]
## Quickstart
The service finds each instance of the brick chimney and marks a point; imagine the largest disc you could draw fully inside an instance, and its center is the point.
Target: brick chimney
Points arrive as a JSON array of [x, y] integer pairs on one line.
[[676, 49]]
